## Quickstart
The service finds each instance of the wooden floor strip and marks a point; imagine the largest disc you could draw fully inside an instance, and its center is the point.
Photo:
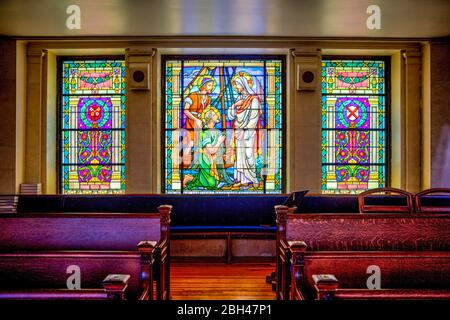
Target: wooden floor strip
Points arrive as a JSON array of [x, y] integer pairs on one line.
[[218, 281]]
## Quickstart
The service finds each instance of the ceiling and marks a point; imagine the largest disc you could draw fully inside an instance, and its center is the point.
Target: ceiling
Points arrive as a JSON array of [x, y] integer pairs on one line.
[[290, 18]]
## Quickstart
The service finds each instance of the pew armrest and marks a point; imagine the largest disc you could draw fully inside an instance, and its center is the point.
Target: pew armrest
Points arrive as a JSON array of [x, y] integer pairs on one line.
[[115, 286], [297, 246], [325, 286]]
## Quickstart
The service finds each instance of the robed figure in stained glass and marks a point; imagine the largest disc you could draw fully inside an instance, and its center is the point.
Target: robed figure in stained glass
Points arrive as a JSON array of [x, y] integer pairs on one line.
[[246, 115]]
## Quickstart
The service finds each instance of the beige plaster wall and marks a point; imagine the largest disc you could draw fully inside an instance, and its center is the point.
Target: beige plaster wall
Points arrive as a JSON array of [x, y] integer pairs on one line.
[[426, 116], [141, 129], [21, 72], [49, 121], [396, 121], [304, 134]]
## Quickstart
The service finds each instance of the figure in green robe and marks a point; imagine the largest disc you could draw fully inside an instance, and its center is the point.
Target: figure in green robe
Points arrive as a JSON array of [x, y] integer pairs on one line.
[[210, 166]]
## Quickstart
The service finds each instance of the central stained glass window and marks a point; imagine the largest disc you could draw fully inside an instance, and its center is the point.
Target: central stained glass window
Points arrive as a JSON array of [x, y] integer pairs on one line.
[[92, 126], [354, 125], [223, 124]]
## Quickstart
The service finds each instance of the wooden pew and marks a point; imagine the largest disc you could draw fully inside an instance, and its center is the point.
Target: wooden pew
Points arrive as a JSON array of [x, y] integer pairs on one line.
[[114, 287], [327, 288], [119, 233], [30, 270], [400, 270], [355, 232]]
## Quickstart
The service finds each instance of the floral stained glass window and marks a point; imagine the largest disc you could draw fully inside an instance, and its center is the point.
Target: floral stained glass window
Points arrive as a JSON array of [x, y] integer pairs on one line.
[[92, 126], [223, 124], [354, 138]]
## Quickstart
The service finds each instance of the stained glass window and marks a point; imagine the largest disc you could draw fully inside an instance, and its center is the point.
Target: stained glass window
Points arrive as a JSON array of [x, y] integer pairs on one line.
[[92, 126], [223, 124], [354, 138]]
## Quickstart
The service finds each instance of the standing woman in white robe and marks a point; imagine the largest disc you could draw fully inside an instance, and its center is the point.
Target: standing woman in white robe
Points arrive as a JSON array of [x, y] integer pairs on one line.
[[246, 114]]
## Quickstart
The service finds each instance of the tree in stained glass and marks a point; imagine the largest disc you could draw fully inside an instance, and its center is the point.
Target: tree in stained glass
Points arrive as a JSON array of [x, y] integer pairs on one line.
[[353, 125], [93, 126], [223, 125]]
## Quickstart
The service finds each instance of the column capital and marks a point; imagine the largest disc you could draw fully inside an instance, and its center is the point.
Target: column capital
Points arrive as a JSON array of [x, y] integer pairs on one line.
[[137, 53], [306, 52], [412, 55], [36, 54]]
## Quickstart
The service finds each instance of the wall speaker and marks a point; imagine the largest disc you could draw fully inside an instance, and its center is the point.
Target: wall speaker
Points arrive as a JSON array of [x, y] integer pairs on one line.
[[139, 76], [307, 77]]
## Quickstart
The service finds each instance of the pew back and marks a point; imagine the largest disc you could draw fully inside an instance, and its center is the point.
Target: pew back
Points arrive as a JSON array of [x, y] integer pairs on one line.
[[327, 288], [433, 200], [51, 270], [78, 231], [370, 231], [396, 270], [387, 193], [146, 236], [379, 233]]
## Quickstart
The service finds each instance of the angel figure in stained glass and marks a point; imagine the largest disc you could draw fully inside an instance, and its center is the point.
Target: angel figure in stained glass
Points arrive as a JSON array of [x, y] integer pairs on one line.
[[210, 167], [194, 105]]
